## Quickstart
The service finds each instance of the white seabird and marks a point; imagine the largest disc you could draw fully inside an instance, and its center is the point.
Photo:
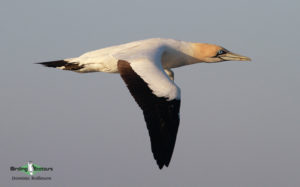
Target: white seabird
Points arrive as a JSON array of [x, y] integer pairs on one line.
[[145, 66]]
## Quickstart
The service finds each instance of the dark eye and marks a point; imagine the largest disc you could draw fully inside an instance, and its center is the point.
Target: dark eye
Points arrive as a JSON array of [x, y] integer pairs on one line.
[[221, 52]]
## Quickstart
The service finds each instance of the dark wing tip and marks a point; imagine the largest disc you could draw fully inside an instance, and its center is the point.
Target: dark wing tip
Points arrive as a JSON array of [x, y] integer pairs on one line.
[[161, 165], [163, 123]]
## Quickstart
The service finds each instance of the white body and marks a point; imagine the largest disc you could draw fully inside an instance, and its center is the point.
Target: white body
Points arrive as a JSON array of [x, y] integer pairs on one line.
[[106, 59], [152, 59]]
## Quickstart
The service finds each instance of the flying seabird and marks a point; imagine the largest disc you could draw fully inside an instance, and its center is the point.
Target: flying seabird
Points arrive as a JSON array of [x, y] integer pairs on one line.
[[145, 67]]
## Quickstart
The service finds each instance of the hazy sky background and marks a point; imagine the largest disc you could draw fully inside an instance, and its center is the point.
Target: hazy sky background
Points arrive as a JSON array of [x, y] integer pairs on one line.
[[240, 121]]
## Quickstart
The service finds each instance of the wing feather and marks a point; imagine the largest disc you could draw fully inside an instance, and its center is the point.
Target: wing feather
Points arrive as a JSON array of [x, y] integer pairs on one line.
[[161, 113]]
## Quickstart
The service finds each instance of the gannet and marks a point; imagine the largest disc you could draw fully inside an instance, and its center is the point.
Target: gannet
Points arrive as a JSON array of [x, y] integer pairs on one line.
[[145, 67]]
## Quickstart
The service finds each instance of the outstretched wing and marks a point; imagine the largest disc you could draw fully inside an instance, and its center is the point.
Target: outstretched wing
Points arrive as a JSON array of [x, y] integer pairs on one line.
[[159, 98]]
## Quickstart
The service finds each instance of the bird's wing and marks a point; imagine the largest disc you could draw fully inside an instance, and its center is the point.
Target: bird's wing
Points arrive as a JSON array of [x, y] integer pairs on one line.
[[158, 97]]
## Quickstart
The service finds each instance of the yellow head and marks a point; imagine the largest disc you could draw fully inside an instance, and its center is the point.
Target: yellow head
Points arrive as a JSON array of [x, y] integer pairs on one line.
[[213, 53]]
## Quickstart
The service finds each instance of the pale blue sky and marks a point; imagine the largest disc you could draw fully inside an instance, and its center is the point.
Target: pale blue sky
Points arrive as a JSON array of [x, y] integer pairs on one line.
[[239, 121]]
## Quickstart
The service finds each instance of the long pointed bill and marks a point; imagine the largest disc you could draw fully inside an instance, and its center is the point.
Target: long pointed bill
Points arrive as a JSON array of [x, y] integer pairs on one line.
[[234, 57]]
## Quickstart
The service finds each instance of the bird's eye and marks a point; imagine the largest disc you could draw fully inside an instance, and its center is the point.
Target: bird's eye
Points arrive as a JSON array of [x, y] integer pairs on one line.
[[221, 52]]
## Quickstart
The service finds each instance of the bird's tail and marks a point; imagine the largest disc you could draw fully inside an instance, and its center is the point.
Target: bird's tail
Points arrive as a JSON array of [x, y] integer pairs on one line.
[[62, 64]]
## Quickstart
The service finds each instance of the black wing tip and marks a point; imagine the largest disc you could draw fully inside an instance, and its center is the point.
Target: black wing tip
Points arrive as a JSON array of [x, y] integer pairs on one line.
[[160, 166], [163, 161], [53, 64]]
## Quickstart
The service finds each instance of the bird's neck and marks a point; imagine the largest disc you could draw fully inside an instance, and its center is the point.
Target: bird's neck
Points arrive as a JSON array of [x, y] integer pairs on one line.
[[179, 55]]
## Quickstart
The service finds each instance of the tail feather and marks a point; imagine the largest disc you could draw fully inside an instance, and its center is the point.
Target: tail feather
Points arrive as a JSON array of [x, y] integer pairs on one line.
[[62, 64], [54, 64]]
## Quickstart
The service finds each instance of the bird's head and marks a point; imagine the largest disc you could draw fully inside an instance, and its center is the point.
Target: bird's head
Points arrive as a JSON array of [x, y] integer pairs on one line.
[[212, 53]]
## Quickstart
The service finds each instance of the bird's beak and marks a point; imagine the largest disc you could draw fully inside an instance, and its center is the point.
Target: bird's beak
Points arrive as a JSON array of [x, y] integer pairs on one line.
[[229, 56]]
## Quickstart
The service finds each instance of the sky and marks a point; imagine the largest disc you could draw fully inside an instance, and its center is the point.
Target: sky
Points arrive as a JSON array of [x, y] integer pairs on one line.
[[239, 120]]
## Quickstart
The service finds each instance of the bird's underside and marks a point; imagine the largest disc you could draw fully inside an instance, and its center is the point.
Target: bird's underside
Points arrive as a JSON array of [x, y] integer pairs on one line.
[[145, 66]]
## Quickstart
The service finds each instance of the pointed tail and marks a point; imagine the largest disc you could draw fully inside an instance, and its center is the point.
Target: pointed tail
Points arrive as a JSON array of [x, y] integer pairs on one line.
[[54, 64], [62, 64]]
